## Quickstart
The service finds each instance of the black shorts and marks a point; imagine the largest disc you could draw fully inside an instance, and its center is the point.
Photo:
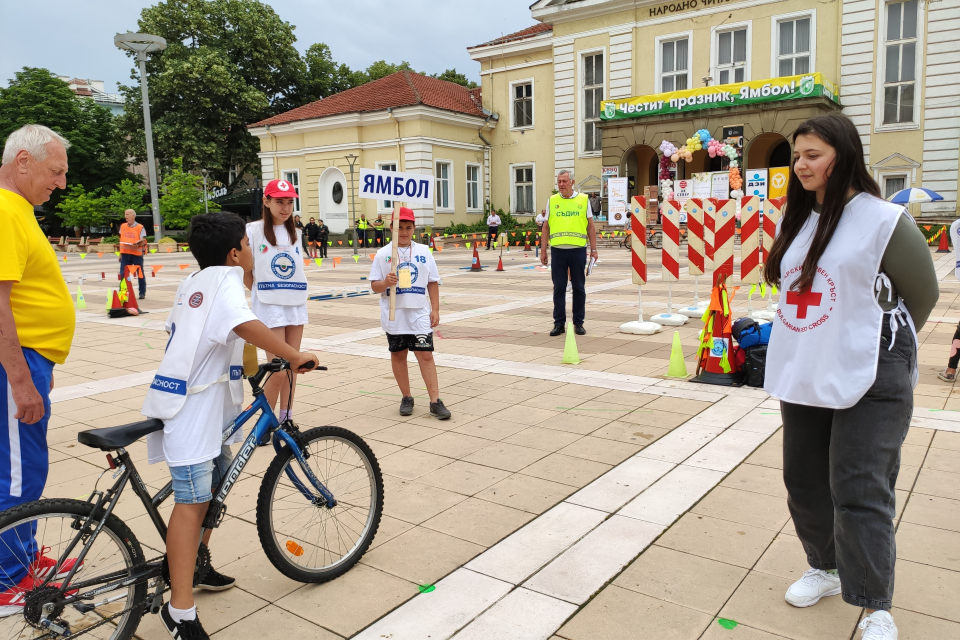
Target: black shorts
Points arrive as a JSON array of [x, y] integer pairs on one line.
[[413, 342]]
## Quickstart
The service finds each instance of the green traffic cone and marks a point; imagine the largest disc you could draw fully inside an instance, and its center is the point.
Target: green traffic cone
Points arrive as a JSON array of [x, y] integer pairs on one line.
[[109, 298], [678, 368], [570, 353], [81, 303]]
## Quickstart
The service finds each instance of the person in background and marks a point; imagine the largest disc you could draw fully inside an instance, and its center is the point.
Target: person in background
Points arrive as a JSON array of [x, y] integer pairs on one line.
[[362, 226], [493, 228], [857, 280], [37, 322], [299, 225], [595, 204], [950, 373], [378, 231], [133, 242], [628, 226], [323, 237], [312, 231]]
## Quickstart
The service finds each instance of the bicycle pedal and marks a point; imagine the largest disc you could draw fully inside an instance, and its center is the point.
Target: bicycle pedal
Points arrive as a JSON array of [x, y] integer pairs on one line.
[[156, 603]]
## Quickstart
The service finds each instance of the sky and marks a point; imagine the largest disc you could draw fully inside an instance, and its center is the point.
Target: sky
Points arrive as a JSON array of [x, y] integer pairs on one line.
[[75, 37]]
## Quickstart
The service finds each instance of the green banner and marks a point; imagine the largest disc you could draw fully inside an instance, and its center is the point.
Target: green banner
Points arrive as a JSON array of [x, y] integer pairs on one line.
[[723, 95]]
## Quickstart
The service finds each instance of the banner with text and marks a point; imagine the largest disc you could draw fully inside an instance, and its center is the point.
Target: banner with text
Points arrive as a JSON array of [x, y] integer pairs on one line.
[[393, 185]]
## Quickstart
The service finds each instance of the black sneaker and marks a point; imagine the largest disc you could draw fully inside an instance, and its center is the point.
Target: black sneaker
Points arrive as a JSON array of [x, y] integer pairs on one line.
[[438, 411], [143, 296], [579, 330], [406, 406], [557, 330], [216, 581], [183, 630]]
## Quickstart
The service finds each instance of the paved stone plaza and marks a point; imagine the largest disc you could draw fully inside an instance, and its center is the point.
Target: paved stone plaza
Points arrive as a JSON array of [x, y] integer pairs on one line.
[[596, 501]]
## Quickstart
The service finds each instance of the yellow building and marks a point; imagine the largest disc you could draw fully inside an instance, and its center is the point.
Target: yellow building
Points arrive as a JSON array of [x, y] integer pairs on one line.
[[895, 64], [403, 122]]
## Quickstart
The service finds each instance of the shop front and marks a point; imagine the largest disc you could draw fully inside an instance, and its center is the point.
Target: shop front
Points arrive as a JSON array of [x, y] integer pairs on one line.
[[718, 141]]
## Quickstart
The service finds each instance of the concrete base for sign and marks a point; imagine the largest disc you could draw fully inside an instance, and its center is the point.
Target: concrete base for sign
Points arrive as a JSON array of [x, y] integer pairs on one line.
[[670, 319], [640, 328], [763, 315], [693, 312]]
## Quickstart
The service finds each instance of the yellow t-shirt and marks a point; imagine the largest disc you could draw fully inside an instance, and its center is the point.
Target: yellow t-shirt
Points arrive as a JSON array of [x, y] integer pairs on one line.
[[42, 306]]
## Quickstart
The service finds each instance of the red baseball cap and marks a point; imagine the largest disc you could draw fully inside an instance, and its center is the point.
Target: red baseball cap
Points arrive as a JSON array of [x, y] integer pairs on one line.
[[280, 189], [406, 214]]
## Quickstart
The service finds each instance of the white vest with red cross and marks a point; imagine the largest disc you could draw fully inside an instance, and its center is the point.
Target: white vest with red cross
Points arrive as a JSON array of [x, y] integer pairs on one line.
[[826, 340]]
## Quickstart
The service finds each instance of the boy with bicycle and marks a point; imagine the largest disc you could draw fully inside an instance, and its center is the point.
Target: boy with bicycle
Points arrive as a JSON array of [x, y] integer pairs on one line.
[[198, 392]]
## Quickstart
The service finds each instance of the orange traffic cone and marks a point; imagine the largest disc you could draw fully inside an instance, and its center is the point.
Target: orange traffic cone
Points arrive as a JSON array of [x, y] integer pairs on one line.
[[500, 264], [716, 360], [130, 304], [117, 309], [475, 266], [944, 246]]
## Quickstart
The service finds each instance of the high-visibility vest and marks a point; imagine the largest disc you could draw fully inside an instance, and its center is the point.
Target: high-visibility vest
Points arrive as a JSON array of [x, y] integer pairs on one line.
[[130, 235], [568, 220], [362, 224], [378, 225]]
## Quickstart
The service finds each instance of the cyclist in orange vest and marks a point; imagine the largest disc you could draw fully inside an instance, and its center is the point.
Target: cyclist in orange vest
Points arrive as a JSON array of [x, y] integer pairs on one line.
[[133, 242]]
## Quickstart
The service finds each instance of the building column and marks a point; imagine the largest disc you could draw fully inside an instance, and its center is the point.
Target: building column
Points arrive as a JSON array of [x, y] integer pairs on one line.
[[418, 158], [856, 67], [564, 88], [941, 137], [267, 164], [621, 64]]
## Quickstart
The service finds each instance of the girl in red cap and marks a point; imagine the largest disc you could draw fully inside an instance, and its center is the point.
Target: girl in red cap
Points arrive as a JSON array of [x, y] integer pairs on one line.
[[417, 311], [277, 282]]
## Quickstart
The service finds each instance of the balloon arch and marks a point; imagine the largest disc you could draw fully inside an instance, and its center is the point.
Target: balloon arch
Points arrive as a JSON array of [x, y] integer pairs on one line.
[[700, 140]]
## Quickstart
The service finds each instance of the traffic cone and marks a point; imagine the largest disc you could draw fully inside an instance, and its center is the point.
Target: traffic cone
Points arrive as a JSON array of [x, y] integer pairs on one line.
[[130, 304], [475, 266], [944, 246], [117, 309], [678, 368], [80, 303], [570, 353], [716, 363], [109, 299], [500, 264]]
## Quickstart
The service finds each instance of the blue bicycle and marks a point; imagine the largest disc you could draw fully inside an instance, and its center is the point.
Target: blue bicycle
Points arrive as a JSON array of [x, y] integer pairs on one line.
[[317, 513]]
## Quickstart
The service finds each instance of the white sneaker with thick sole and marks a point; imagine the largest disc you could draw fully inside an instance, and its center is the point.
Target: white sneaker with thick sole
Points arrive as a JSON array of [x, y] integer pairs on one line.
[[878, 626], [814, 584]]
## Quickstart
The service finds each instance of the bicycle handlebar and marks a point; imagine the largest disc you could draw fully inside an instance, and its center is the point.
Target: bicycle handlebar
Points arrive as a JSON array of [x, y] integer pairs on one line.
[[275, 366]]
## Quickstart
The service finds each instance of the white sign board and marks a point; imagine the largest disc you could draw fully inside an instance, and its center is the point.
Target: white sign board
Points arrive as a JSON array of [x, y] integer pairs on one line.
[[393, 185], [755, 183], [617, 196], [720, 187], [702, 183]]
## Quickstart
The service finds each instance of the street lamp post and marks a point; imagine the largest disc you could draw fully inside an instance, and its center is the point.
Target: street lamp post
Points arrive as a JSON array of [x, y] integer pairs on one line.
[[142, 44], [352, 159], [206, 206]]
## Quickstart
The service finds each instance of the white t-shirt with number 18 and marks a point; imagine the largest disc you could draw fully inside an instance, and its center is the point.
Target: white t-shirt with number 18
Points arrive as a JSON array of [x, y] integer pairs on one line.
[[413, 303]]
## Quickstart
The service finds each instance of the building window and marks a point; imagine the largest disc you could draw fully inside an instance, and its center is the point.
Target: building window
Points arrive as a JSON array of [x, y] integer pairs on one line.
[[592, 95], [892, 184], [523, 105], [293, 177], [732, 56], [523, 190], [387, 166], [793, 52], [673, 64], [231, 175], [900, 62], [473, 187], [443, 185]]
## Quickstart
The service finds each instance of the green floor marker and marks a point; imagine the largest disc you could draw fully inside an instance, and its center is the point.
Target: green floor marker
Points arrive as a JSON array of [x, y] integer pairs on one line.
[[727, 624], [427, 588], [148, 345], [769, 413]]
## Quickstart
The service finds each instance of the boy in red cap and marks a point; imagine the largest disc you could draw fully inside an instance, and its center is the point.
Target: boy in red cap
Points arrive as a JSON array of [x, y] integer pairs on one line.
[[417, 311]]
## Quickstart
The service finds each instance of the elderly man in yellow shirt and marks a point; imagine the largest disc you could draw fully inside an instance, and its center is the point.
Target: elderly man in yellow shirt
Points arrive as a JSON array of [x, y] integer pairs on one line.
[[37, 322]]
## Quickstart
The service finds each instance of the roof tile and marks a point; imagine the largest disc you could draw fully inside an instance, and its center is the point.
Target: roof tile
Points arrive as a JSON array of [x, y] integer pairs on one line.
[[529, 32]]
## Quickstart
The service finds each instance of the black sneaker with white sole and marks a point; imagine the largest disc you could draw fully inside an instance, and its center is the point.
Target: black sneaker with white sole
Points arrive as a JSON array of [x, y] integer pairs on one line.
[[183, 630], [216, 581], [406, 406], [438, 411]]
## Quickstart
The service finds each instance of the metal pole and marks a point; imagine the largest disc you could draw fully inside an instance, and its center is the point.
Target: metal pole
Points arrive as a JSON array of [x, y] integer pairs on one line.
[[353, 203], [151, 163], [206, 207]]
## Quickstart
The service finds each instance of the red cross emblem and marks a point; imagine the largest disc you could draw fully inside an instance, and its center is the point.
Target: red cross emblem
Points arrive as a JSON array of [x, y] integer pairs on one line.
[[802, 300]]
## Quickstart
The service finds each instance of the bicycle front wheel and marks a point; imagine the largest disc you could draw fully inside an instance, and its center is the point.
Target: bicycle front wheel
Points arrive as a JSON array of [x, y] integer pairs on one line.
[[310, 542], [34, 537]]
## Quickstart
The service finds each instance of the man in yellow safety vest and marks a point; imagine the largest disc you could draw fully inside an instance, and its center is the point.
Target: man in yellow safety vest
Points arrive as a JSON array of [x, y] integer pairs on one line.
[[362, 226], [568, 227]]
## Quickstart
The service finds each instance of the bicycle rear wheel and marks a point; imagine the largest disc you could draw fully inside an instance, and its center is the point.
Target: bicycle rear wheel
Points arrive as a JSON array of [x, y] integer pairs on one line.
[[45, 529], [309, 542]]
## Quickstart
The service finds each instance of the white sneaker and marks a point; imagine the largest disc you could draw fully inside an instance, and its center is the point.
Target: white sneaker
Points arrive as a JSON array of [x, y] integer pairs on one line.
[[878, 626], [569, 286], [814, 584]]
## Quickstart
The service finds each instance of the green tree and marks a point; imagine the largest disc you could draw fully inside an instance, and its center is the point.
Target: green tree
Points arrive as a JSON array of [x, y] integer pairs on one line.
[[126, 195], [324, 77], [36, 96], [228, 63], [452, 75], [182, 197], [80, 208], [382, 69]]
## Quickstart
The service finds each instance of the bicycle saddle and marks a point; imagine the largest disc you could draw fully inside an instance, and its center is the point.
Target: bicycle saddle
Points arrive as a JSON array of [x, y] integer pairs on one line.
[[122, 436]]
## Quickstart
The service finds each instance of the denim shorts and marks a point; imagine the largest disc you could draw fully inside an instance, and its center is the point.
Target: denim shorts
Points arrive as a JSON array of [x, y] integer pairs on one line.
[[194, 483]]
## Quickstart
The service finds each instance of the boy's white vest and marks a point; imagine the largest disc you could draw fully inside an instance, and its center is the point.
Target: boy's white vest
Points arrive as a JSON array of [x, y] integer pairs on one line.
[[825, 342], [194, 298], [415, 258], [278, 271], [955, 239]]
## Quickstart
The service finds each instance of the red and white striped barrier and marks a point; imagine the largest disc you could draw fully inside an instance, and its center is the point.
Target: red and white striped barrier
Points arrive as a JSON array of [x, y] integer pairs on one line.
[[709, 216], [670, 258], [638, 243], [725, 228], [750, 254], [772, 211], [696, 251]]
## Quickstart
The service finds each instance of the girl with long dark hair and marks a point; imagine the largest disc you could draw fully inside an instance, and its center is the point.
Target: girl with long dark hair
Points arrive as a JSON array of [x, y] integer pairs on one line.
[[856, 278], [277, 282]]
